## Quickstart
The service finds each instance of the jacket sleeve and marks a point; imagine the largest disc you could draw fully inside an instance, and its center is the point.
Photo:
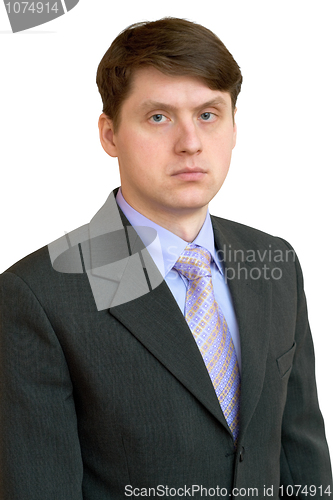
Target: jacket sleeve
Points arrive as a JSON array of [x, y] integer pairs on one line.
[[305, 463], [39, 447]]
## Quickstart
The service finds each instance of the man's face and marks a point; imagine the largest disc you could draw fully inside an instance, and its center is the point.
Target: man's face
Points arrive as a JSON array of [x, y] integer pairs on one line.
[[173, 143]]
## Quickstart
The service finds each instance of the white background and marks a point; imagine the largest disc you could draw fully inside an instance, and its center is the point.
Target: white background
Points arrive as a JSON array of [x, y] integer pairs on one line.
[[55, 176]]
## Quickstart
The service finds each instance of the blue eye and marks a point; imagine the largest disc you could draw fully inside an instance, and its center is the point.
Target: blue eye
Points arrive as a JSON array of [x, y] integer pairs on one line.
[[157, 118], [206, 116]]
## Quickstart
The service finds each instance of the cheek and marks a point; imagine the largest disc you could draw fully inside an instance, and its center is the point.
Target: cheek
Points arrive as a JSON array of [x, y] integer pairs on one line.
[[141, 149], [140, 161], [220, 149]]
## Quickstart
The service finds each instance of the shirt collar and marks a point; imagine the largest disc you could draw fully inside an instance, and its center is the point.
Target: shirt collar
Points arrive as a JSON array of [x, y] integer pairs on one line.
[[167, 246]]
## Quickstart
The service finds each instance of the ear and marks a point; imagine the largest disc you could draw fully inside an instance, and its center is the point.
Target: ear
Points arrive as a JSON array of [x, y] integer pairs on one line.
[[106, 135], [235, 130]]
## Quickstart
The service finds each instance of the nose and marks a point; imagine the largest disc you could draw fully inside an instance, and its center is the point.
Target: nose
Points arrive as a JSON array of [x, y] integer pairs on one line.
[[188, 140]]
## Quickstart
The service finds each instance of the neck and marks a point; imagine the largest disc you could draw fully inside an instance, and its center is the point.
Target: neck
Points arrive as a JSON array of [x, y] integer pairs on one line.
[[184, 223], [185, 226]]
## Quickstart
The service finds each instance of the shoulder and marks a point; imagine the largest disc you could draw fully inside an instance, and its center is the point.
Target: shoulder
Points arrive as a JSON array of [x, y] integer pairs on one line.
[[36, 262], [239, 235], [46, 262], [36, 272]]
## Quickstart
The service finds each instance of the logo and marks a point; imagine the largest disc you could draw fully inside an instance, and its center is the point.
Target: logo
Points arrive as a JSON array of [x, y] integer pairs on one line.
[[113, 256], [25, 15]]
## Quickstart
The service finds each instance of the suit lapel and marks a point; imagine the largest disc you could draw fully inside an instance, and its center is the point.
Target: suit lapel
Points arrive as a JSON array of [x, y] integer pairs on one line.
[[252, 304], [157, 322], [141, 300]]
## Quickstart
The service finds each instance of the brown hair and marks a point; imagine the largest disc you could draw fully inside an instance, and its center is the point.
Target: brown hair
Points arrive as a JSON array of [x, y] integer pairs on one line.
[[174, 47]]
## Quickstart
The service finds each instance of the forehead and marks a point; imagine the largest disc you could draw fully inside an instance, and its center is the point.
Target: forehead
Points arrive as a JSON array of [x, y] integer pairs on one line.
[[150, 85]]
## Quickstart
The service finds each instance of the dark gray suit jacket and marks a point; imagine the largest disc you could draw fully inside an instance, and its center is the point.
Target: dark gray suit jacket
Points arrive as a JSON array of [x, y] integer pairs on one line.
[[94, 400]]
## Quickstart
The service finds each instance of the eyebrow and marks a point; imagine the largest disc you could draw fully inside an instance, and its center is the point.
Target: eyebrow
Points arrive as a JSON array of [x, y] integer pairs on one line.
[[150, 104]]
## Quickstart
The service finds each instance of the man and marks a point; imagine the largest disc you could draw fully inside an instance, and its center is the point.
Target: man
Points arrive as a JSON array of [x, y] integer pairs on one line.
[[159, 351]]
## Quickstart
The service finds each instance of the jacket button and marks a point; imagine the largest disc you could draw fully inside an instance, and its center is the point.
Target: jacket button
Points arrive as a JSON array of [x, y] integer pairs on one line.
[[241, 454]]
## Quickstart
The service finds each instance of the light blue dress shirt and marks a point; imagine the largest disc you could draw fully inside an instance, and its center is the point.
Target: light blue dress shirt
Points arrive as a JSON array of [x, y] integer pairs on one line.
[[166, 249]]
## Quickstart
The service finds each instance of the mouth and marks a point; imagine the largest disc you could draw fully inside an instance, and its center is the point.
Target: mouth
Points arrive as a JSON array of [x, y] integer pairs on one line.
[[190, 174]]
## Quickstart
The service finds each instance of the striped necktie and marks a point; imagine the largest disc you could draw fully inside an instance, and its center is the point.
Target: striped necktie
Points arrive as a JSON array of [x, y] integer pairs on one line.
[[211, 332]]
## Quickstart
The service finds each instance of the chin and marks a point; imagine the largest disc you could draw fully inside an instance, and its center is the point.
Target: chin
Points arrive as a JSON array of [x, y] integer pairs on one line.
[[192, 203], [195, 198]]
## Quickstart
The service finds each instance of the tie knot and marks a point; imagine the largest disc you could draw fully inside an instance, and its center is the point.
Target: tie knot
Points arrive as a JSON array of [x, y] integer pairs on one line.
[[194, 262]]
